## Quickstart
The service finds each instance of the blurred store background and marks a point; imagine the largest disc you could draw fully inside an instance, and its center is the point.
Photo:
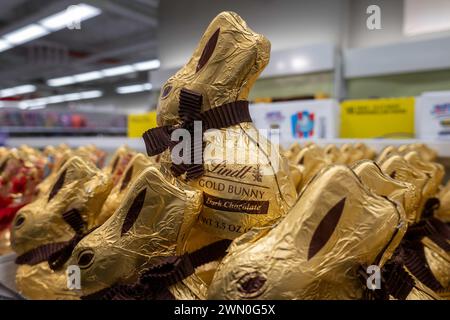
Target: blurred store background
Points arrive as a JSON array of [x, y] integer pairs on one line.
[[91, 71]]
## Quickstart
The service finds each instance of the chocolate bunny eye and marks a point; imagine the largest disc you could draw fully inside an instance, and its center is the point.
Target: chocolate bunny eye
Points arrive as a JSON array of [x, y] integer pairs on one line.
[[58, 185], [86, 258], [325, 228], [167, 89], [208, 50], [133, 212], [251, 284]]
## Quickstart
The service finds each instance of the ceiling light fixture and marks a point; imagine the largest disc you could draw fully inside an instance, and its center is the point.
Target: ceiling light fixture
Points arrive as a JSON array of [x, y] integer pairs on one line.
[[72, 16], [134, 88], [15, 91], [109, 72], [76, 96]]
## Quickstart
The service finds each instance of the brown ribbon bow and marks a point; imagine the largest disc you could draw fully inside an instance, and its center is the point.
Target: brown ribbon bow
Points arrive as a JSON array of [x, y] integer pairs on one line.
[[157, 140]]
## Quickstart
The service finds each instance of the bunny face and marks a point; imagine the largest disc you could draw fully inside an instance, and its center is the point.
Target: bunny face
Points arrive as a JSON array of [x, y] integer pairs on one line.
[[223, 68], [435, 171], [152, 222], [79, 185], [136, 165], [423, 150], [314, 253], [404, 193], [399, 169]]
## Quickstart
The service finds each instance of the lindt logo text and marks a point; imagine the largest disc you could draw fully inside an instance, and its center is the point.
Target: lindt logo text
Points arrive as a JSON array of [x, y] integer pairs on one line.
[[231, 146]]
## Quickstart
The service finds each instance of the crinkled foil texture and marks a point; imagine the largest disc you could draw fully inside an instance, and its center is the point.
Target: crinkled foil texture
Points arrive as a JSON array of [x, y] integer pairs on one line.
[[246, 182], [5, 242], [84, 188], [136, 165], [39, 282], [227, 75], [404, 193], [138, 236], [303, 258]]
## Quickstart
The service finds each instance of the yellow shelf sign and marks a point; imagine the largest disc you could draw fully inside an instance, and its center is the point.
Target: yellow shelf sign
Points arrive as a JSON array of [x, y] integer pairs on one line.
[[139, 123], [378, 118]]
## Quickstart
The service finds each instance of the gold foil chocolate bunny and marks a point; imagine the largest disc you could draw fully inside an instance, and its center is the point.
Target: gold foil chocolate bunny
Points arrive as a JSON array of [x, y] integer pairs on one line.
[[245, 181], [45, 231], [150, 226], [317, 250], [425, 248]]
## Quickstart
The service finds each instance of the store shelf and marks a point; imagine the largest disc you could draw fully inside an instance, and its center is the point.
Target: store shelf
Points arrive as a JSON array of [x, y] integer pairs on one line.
[[111, 143], [106, 143], [61, 131]]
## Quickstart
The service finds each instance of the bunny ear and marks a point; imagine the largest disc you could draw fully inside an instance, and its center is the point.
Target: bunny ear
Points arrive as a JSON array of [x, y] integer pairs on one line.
[[3, 165], [208, 50], [127, 178], [133, 212], [58, 185], [116, 161], [325, 228]]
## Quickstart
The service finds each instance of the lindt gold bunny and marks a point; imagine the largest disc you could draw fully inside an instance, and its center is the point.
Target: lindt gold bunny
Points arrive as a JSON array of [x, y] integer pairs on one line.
[[245, 181], [45, 231]]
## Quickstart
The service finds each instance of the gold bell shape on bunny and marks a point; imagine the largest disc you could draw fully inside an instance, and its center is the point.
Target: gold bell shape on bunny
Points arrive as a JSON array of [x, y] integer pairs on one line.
[[45, 231], [317, 251], [244, 180], [149, 229]]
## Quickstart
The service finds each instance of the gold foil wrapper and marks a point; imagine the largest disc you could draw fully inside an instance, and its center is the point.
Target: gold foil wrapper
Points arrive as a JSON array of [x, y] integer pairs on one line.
[[399, 169], [443, 212], [79, 185], [310, 160], [39, 282], [136, 165], [223, 67], [255, 190], [244, 186], [152, 222], [336, 225], [404, 193], [5, 242], [439, 262]]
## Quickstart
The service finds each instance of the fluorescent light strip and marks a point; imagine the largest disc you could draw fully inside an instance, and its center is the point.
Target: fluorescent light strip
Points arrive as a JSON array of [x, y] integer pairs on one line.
[[15, 91], [76, 96], [25, 34], [110, 72], [71, 17], [4, 45], [134, 88]]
